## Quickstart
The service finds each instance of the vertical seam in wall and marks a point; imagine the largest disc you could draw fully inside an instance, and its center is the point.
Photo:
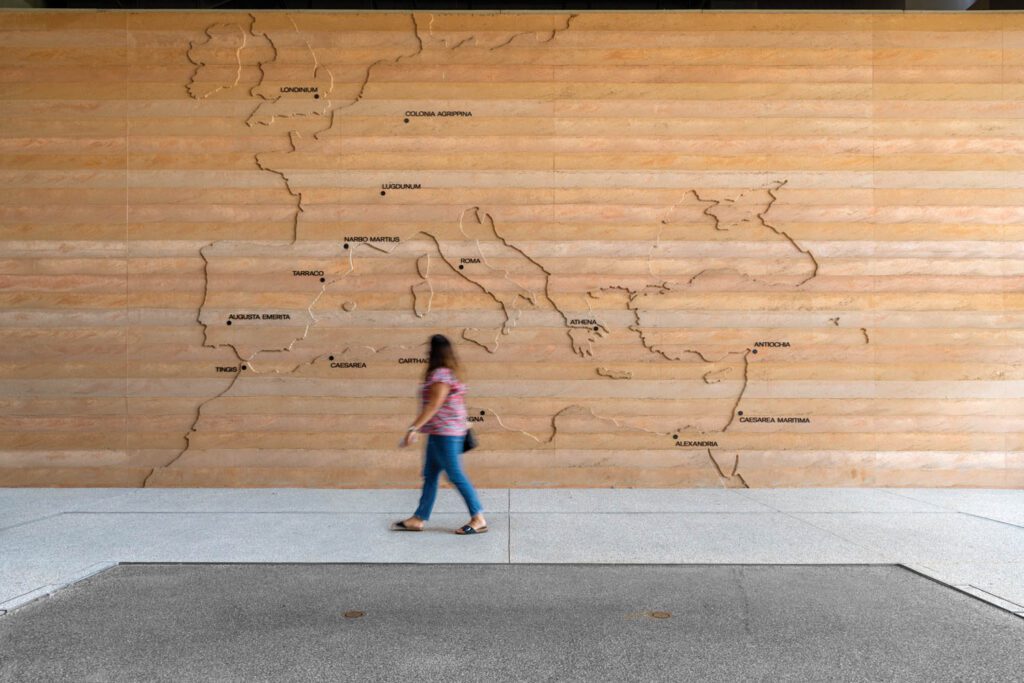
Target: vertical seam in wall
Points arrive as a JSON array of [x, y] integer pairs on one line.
[[873, 132], [1004, 236], [127, 138]]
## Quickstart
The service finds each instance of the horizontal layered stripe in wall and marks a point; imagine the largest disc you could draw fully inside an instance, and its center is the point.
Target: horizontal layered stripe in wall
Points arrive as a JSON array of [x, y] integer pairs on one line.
[[673, 249]]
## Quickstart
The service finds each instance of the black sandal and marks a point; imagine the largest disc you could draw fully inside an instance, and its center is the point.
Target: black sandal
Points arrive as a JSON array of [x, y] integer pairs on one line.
[[467, 530], [400, 526]]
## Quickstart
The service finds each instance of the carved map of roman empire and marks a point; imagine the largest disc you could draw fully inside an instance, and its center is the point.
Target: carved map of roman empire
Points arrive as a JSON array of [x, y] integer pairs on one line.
[[352, 291]]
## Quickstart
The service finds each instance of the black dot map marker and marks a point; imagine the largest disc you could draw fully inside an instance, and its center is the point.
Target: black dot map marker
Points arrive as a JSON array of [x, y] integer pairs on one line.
[[323, 279], [245, 367], [345, 246], [739, 412], [481, 412], [382, 193], [330, 357], [229, 322], [755, 351], [675, 436], [596, 328], [461, 267], [316, 96], [406, 120]]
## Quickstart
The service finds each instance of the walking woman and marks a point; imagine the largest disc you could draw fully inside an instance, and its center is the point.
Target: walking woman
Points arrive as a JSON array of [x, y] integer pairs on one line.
[[443, 418]]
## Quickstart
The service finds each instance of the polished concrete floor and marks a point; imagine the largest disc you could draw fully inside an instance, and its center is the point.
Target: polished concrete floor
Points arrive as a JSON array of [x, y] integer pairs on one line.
[[971, 539], [509, 622]]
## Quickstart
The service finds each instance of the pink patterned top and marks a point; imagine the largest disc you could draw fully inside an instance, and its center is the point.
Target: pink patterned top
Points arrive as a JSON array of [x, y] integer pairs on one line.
[[450, 418]]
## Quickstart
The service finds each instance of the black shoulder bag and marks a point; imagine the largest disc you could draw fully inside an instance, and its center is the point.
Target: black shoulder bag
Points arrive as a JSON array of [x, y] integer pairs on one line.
[[470, 442]]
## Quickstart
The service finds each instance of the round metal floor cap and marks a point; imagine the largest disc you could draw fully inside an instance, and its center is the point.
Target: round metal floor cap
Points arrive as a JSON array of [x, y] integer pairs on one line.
[[661, 615], [354, 614]]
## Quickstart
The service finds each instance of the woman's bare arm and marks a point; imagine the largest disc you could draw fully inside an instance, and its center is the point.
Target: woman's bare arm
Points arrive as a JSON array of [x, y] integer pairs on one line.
[[436, 395]]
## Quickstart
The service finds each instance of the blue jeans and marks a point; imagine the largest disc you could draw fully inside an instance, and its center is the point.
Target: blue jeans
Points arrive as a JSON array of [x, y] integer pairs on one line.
[[445, 453]]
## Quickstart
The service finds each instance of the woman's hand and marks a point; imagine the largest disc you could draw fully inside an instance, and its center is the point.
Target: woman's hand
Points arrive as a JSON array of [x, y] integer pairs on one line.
[[409, 439]]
